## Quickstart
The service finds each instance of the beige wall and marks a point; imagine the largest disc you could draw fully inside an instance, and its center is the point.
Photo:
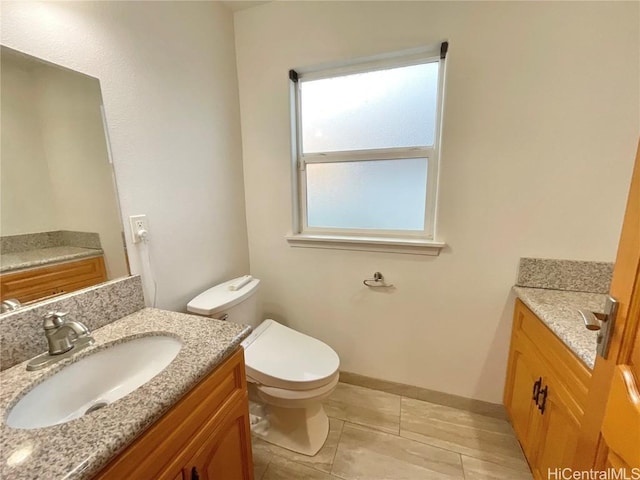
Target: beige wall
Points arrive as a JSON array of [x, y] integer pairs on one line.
[[26, 199], [55, 168], [168, 77], [540, 130]]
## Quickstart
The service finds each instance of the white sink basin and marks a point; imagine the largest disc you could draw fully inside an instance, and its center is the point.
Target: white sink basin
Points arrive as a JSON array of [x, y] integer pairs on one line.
[[93, 382]]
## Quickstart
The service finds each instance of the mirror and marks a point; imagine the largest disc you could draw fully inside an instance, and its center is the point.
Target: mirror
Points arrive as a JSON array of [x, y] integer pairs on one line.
[[60, 222]]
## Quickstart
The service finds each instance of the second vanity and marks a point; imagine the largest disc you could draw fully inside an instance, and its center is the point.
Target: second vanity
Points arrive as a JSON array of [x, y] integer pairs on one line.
[[190, 419], [551, 358]]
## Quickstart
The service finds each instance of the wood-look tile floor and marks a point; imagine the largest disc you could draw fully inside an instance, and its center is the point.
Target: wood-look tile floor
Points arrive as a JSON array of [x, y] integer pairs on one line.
[[381, 436]]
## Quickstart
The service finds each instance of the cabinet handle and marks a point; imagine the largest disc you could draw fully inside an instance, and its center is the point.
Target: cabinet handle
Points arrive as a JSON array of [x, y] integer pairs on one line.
[[542, 404], [194, 474], [536, 389]]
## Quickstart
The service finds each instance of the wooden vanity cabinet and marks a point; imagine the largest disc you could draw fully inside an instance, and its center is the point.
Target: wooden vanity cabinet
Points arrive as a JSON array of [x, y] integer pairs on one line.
[[42, 282], [205, 436], [545, 393], [221, 455]]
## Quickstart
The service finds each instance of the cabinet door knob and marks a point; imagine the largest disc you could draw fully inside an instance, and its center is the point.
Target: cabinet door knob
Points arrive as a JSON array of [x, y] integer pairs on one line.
[[536, 389], [542, 404], [194, 474]]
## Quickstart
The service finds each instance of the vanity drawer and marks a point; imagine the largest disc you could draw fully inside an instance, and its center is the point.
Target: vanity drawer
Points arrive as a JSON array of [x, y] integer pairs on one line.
[[161, 449], [37, 283]]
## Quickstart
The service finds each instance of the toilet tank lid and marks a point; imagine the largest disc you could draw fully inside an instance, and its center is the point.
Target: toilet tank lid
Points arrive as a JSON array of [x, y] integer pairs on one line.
[[221, 297]]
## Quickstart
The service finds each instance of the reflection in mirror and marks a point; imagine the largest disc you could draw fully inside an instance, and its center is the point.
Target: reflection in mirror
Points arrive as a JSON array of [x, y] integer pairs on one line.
[[60, 224]]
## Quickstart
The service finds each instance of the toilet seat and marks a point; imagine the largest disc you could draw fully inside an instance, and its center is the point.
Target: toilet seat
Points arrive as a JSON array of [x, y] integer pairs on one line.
[[300, 362], [284, 397]]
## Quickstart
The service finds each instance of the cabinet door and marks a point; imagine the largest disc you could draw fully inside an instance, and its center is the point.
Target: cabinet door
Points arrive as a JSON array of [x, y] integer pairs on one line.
[[226, 453], [558, 431], [522, 376]]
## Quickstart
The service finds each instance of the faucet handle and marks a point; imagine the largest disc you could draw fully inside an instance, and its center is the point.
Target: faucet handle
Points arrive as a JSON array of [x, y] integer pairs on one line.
[[53, 320]]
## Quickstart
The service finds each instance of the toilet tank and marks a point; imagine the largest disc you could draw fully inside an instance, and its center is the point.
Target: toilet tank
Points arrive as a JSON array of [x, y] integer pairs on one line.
[[235, 301]]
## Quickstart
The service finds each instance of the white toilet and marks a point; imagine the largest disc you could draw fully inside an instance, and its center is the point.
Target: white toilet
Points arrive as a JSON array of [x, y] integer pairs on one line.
[[290, 372]]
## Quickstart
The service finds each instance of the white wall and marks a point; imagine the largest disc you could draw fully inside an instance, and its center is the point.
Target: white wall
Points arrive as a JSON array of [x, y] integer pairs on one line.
[[540, 129], [167, 71], [26, 198]]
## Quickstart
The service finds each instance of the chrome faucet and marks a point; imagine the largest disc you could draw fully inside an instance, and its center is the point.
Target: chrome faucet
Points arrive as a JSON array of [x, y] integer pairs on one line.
[[10, 304], [62, 335], [64, 339]]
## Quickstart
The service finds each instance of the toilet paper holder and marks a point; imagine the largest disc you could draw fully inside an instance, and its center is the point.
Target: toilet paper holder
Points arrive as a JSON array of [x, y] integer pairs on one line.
[[377, 281]]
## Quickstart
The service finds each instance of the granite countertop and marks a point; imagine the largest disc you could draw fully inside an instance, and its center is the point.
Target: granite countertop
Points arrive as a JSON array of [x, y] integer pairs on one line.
[[44, 256], [80, 448], [558, 309]]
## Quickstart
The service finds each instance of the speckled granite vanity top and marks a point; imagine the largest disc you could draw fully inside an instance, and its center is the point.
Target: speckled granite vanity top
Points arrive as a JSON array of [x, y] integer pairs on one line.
[[80, 448], [558, 309], [556, 289], [44, 256]]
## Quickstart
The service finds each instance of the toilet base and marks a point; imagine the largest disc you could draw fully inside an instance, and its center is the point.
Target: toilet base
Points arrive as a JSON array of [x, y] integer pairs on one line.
[[301, 430], [292, 419]]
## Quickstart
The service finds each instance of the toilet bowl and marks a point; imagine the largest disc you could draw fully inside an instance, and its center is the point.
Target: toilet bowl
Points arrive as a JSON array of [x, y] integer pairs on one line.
[[289, 374]]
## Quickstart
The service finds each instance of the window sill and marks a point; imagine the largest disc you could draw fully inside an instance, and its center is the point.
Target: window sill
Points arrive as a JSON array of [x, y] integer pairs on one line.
[[367, 244]]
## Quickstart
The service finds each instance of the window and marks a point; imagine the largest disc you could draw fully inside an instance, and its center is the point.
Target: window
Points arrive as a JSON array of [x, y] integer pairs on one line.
[[366, 140]]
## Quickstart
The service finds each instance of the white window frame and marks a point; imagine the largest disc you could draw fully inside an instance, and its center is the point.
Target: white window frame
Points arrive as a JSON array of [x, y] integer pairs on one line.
[[398, 241]]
